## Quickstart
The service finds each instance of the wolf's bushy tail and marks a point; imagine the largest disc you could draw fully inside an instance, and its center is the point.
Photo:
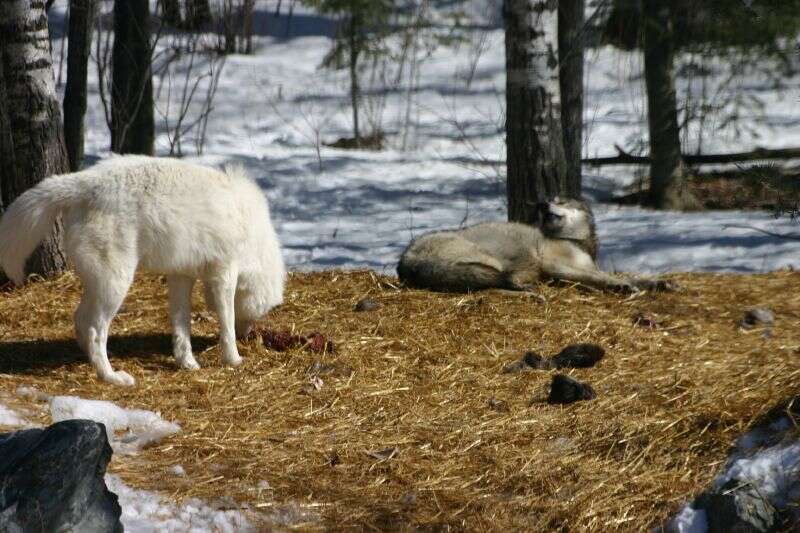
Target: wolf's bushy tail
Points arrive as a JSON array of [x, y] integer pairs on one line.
[[29, 218]]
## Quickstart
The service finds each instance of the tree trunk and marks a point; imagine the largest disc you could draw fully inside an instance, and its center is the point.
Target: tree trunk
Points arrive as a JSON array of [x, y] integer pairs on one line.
[[536, 169], [198, 14], [248, 7], [570, 58], [81, 21], [132, 126], [171, 12], [31, 135], [668, 188], [355, 92], [228, 27]]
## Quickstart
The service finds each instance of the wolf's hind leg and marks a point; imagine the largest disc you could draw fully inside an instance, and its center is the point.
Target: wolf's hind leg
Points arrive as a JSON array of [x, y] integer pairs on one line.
[[100, 301], [222, 288], [180, 309]]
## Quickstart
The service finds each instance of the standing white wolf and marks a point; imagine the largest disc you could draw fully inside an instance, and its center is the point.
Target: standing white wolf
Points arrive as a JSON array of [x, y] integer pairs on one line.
[[164, 216], [560, 245]]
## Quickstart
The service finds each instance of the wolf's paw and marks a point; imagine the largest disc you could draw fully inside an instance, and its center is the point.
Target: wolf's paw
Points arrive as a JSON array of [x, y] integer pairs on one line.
[[188, 363], [625, 287], [121, 378], [232, 361], [658, 285]]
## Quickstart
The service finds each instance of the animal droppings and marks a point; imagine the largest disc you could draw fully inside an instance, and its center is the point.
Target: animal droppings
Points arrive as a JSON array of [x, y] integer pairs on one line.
[[582, 355], [565, 390]]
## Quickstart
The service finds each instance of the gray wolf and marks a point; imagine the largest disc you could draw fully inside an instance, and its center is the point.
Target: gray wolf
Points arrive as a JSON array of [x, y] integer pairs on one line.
[[561, 244], [163, 216]]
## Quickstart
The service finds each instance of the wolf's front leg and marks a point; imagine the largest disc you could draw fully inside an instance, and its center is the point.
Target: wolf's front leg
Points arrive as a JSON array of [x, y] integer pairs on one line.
[[591, 278], [223, 290], [180, 309]]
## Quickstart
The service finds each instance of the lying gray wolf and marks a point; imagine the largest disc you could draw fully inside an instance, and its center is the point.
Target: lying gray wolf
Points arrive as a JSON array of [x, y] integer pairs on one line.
[[164, 216], [560, 245]]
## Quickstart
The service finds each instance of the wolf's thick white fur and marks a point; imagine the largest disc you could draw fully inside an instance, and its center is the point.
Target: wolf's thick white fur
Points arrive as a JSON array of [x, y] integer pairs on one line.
[[164, 216]]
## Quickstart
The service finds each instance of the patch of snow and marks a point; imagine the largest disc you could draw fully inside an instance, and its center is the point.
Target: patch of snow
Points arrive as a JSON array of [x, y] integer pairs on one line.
[[9, 417], [143, 427], [178, 470], [689, 520], [148, 512], [774, 471]]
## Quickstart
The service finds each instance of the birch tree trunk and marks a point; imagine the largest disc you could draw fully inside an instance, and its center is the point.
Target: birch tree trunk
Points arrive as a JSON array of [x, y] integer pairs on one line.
[[81, 21], [570, 58], [536, 169], [668, 188], [31, 135], [132, 124]]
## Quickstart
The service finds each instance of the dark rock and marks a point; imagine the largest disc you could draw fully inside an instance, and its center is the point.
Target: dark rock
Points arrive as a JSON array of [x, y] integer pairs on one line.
[[581, 355], [52, 479], [367, 304], [564, 390], [757, 316], [737, 508]]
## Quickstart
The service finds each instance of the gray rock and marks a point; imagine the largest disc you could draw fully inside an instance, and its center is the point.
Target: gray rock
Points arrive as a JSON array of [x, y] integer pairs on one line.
[[737, 508], [757, 316], [52, 480], [367, 304]]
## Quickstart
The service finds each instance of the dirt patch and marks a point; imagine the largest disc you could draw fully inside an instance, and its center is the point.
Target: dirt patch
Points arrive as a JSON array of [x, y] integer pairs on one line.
[[423, 429]]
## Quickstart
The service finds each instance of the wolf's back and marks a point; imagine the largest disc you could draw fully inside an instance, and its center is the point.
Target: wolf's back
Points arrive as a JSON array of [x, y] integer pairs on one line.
[[30, 217], [445, 261]]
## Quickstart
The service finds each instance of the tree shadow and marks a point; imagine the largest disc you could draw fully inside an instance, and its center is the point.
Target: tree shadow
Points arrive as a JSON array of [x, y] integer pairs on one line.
[[37, 357]]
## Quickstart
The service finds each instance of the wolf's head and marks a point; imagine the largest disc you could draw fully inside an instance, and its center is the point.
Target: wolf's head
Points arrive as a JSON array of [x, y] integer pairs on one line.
[[568, 219]]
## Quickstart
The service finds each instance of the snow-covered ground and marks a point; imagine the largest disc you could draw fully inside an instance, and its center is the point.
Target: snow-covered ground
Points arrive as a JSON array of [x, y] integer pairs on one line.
[[350, 208]]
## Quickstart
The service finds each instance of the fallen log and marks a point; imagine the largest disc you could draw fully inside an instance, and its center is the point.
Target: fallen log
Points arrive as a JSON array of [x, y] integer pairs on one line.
[[624, 158]]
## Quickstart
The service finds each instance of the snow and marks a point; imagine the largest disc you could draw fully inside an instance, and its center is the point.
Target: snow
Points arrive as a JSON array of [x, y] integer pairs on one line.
[[147, 512], [9, 417], [142, 428], [690, 520], [358, 209]]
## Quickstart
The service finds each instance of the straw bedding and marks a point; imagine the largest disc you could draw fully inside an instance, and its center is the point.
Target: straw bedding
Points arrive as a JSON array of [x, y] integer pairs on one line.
[[411, 422]]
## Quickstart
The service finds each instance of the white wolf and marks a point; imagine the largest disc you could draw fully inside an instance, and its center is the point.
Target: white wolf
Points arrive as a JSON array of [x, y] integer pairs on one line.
[[560, 244], [164, 216]]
